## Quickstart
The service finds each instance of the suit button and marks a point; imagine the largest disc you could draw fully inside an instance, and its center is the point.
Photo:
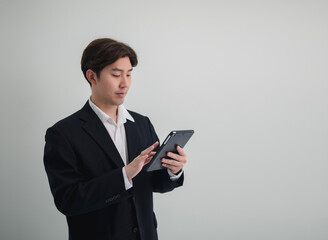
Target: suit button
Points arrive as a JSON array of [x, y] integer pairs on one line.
[[135, 229]]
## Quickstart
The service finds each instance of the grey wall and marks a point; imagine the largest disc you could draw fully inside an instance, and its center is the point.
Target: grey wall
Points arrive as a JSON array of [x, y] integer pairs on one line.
[[250, 77]]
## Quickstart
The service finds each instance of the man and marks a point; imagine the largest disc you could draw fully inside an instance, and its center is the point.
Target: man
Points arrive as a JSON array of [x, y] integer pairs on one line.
[[94, 158]]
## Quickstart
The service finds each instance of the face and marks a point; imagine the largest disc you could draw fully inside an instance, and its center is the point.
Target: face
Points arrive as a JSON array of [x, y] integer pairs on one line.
[[113, 83]]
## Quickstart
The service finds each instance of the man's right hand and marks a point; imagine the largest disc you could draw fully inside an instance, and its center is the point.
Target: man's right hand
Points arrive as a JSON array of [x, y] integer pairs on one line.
[[134, 167]]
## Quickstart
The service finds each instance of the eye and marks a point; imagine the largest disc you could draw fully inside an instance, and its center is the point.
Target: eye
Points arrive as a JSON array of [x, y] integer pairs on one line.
[[114, 75], [129, 75]]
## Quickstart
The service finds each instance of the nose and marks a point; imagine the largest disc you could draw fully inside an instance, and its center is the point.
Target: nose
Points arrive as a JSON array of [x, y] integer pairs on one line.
[[124, 82]]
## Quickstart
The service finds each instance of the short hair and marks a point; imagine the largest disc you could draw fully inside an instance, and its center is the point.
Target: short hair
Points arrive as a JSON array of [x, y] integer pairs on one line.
[[103, 52]]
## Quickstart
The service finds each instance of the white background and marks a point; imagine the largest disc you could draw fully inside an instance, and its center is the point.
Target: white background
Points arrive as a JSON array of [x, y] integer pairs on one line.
[[250, 77]]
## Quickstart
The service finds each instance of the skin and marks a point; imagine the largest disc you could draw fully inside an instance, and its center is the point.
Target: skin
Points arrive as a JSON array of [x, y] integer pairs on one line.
[[108, 92]]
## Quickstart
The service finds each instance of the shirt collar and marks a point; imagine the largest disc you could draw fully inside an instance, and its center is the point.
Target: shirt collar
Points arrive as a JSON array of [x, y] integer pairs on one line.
[[122, 114]]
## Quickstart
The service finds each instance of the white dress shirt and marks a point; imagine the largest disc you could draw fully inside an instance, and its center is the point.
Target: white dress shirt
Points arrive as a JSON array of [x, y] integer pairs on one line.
[[116, 130]]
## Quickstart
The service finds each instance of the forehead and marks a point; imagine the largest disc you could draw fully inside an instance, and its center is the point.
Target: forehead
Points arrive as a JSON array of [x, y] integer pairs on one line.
[[123, 64]]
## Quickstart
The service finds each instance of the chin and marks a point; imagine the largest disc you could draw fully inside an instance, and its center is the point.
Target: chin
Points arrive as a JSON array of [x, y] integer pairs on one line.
[[119, 102]]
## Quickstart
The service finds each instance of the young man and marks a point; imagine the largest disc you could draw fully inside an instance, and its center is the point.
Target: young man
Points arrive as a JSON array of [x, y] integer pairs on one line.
[[94, 158]]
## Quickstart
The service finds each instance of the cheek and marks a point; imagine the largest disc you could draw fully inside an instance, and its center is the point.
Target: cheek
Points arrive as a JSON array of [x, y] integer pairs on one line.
[[109, 87]]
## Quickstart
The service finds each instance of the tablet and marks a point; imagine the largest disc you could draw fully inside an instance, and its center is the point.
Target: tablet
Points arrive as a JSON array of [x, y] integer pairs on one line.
[[175, 138]]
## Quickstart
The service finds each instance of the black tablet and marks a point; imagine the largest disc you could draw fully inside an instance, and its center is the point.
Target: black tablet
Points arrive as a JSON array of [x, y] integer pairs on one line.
[[175, 138]]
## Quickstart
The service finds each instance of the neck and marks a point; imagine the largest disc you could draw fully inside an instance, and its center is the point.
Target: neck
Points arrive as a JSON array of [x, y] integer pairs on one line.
[[109, 109]]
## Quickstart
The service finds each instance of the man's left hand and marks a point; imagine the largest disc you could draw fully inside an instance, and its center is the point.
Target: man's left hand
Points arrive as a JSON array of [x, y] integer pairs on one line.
[[177, 162]]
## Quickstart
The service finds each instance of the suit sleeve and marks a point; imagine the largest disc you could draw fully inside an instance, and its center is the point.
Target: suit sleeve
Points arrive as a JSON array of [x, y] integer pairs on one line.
[[161, 179], [73, 192]]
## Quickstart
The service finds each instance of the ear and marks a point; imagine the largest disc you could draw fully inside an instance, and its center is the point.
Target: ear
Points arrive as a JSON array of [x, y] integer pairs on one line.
[[91, 76]]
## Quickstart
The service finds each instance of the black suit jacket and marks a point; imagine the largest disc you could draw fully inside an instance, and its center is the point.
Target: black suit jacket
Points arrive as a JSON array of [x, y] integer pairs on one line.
[[84, 170]]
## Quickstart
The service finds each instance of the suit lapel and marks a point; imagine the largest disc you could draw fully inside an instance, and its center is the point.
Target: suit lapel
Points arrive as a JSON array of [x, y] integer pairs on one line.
[[132, 139], [95, 128]]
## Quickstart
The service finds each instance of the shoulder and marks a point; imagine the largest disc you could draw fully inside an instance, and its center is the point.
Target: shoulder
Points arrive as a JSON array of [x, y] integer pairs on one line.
[[68, 122], [75, 119], [70, 127], [72, 124]]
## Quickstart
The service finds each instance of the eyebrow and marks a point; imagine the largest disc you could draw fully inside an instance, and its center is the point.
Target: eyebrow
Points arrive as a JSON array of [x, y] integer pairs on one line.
[[120, 70]]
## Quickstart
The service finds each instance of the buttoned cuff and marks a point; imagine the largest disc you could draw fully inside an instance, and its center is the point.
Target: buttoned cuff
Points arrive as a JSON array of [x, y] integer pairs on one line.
[[128, 184], [174, 177]]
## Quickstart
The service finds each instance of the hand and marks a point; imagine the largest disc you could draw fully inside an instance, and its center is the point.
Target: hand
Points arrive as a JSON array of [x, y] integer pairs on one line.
[[134, 167], [177, 162]]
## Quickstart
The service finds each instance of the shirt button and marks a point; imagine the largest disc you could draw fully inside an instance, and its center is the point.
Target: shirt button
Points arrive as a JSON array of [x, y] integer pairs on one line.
[[135, 229]]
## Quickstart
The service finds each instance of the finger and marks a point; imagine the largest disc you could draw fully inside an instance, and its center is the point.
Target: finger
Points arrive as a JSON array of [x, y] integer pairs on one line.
[[172, 163], [181, 151], [173, 169], [149, 149], [142, 158], [152, 153], [148, 157], [175, 156], [148, 160]]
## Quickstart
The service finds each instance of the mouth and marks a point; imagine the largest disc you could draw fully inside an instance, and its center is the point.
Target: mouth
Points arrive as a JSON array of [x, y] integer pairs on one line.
[[121, 94]]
